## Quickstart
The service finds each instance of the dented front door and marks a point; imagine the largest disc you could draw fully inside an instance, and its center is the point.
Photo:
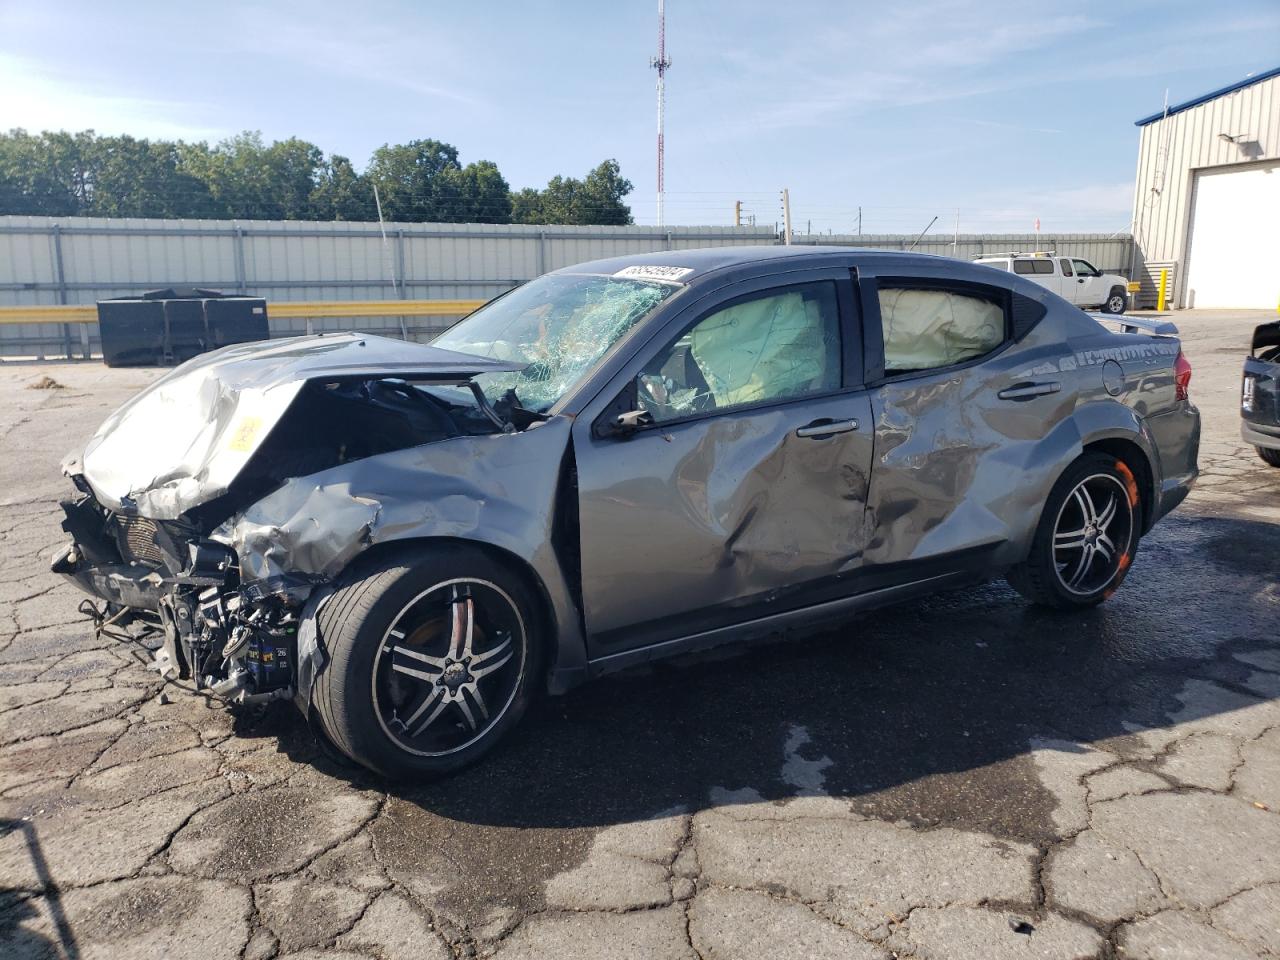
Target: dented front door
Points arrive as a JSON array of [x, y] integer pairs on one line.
[[722, 517]]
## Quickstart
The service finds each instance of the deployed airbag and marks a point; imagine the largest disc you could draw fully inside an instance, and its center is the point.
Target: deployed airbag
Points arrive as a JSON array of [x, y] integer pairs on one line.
[[924, 329], [765, 349]]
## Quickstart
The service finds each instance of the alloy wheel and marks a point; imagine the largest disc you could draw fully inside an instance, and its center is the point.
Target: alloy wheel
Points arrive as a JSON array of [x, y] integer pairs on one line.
[[1092, 534], [1116, 304], [448, 667]]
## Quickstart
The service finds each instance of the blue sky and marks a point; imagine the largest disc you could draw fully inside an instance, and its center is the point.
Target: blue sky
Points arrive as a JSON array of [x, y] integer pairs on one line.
[[1006, 111]]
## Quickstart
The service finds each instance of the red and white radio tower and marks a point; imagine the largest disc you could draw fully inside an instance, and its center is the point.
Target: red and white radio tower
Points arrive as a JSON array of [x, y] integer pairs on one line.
[[660, 63]]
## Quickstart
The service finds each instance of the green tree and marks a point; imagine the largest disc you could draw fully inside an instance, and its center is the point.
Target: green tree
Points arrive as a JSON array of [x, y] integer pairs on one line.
[[250, 180], [479, 194], [137, 178], [423, 181], [596, 199], [47, 174], [526, 206], [408, 177], [342, 194], [243, 177]]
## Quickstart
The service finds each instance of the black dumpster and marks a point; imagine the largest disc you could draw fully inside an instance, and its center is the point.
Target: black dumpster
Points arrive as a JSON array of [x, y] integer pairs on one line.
[[175, 324]]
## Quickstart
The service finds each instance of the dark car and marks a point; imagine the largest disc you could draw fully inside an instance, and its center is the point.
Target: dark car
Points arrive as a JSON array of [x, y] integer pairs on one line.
[[615, 462], [1260, 393]]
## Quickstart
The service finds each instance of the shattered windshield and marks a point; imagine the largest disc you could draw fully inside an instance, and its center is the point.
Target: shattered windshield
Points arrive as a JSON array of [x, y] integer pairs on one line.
[[559, 325]]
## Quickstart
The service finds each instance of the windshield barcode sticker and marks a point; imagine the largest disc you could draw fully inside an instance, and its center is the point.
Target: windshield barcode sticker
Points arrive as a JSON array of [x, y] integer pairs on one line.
[[669, 274]]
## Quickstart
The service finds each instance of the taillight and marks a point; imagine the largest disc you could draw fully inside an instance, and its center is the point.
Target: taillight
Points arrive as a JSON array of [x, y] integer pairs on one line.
[[1181, 375]]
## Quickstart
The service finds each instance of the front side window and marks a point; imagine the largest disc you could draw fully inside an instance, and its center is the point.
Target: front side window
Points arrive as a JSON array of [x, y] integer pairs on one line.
[[924, 329], [779, 345], [559, 325], [1086, 269]]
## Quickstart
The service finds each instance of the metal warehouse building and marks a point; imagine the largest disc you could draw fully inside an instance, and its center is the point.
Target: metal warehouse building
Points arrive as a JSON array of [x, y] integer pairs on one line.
[[1207, 197]]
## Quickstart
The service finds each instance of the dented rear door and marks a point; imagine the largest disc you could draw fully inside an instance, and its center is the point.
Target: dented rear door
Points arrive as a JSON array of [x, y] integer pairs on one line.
[[966, 439]]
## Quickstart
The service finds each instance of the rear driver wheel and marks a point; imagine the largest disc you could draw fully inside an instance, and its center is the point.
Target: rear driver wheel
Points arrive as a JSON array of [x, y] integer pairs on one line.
[[433, 657], [1117, 301], [1086, 538]]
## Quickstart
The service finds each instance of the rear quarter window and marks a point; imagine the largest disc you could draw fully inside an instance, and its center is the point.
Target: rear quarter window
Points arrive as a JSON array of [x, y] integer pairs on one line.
[[1024, 266], [1042, 266]]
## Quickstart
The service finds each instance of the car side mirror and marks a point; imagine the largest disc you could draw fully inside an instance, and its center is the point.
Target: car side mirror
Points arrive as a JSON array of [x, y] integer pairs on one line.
[[623, 417], [625, 424]]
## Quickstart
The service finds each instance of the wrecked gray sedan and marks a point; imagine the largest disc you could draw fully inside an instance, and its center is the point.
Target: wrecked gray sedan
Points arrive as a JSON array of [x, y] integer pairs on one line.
[[618, 461]]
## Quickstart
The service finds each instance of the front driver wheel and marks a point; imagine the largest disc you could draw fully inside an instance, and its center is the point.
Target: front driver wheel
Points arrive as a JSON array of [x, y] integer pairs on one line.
[[1269, 456], [1087, 536], [433, 657]]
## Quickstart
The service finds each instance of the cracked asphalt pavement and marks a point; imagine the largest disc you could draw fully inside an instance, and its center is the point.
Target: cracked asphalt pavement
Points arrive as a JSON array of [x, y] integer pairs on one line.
[[964, 777]]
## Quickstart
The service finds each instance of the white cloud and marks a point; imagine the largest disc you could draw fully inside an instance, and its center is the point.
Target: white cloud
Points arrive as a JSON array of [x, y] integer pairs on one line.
[[395, 57], [912, 54], [36, 100]]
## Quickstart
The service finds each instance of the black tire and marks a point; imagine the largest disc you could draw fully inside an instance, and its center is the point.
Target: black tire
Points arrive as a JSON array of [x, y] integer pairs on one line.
[[383, 626], [1070, 572], [1269, 456], [1117, 301]]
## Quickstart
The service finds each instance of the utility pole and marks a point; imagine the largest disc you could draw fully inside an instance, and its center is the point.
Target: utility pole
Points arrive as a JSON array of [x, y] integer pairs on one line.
[[955, 244], [786, 216], [859, 221], [386, 257], [737, 213], [660, 63]]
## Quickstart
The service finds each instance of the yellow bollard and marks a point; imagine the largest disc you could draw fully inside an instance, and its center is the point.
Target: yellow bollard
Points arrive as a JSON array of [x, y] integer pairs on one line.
[[1164, 284]]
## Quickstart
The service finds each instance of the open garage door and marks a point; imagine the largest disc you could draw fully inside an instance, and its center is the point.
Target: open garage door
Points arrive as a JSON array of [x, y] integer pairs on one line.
[[1235, 238]]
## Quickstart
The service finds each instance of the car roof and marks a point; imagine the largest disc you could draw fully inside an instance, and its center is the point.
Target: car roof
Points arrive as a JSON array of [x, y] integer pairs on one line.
[[704, 260]]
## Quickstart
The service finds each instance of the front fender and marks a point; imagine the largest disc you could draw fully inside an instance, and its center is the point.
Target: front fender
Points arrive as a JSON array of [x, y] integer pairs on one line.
[[499, 490]]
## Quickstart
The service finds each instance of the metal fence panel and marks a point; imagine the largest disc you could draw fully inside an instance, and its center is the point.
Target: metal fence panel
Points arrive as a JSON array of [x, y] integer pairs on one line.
[[303, 260]]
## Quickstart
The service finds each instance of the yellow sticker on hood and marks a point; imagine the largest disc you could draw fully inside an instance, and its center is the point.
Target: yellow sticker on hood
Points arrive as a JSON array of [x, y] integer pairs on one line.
[[245, 434]]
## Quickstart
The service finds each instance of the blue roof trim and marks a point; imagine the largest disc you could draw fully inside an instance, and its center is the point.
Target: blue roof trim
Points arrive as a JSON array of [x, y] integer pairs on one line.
[[1247, 82]]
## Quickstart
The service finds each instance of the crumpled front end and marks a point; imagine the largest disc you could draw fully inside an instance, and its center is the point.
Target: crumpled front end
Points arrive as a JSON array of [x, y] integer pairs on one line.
[[163, 577], [208, 442]]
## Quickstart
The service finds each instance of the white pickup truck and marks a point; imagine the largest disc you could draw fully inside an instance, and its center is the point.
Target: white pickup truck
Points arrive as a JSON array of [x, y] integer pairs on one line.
[[1069, 277]]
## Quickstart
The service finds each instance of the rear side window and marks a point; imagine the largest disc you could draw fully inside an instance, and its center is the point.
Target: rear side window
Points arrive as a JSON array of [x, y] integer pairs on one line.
[[997, 264], [929, 328], [1066, 267]]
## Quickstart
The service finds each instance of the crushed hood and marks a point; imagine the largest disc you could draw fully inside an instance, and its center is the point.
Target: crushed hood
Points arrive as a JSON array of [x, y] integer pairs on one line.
[[183, 440]]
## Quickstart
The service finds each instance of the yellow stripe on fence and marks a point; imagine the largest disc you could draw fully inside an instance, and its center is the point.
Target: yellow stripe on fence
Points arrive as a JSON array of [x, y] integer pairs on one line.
[[78, 314], [284, 308]]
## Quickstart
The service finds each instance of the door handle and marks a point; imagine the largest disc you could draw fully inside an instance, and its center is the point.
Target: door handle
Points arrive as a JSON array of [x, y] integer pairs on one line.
[[1080, 279], [1025, 391], [821, 429]]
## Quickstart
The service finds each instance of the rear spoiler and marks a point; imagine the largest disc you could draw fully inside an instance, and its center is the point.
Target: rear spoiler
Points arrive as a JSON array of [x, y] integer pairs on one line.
[[1157, 328], [1266, 335]]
